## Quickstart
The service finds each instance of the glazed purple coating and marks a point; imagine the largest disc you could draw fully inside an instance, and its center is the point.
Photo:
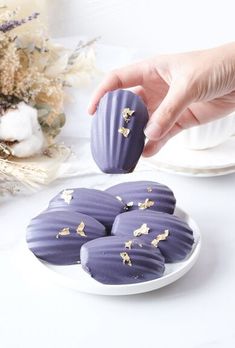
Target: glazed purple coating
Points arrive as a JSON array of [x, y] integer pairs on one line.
[[174, 248], [99, 204], [47, 241], [102, 260], [111, 150], [138, 191]]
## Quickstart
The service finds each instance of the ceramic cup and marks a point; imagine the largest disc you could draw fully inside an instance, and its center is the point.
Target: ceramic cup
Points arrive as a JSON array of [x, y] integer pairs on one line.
[[208, 135]]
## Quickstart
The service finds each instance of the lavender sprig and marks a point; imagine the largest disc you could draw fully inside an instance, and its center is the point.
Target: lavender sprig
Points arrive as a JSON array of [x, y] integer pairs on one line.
[[12, 24], [81, 45]]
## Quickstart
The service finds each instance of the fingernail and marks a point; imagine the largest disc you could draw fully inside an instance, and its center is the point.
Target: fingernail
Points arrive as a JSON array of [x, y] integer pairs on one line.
[[153, 131]]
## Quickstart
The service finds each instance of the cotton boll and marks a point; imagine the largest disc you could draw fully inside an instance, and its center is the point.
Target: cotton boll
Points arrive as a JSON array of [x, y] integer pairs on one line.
[[16, 124], [29, 147], [21, 125]]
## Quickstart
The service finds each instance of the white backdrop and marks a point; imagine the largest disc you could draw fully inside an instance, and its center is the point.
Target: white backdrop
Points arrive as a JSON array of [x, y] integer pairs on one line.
[[150, 25], [195, 312]]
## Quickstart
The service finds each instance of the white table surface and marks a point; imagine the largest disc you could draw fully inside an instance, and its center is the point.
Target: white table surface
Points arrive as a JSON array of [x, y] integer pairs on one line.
[[197, 311]]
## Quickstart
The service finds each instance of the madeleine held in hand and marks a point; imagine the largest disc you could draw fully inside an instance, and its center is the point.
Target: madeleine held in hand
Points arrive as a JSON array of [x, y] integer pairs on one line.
[[180, 91]]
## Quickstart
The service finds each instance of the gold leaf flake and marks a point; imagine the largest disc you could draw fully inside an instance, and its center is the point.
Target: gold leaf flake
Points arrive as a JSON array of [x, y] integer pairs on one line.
[[124, 131], [64, 232], [128, 244], [144, 229], [146, 204], [149, 189], [126, 260], [66, 195], [121, 200], [162, 236], [80, 229], [130, 204], [127, 113]]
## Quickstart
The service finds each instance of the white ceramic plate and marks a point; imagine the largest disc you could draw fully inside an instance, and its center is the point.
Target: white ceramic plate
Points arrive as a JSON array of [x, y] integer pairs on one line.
[[75, 278], [163, 167], [216, 161]]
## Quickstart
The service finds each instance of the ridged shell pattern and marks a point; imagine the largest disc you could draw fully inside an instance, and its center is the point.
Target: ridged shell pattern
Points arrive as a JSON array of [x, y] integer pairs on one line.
[[109, 261], [57, 236], [145, 195], [175, 247], [113, 151], [100, 205]]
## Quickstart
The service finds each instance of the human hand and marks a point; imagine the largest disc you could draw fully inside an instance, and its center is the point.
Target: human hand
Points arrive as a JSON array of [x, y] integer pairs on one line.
[[180, 90]]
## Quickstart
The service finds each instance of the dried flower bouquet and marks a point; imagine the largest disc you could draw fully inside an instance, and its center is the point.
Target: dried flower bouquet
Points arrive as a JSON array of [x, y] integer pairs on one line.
[[33, 74]]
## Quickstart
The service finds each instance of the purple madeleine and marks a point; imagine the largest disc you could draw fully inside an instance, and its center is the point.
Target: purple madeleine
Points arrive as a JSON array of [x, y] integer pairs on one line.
[[114, 260], [117, 133], [57, 236], [167, 232], [145, 195], [100, 205]]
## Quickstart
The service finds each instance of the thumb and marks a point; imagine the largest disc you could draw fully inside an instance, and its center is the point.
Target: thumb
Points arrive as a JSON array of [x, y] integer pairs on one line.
[[165, 116]]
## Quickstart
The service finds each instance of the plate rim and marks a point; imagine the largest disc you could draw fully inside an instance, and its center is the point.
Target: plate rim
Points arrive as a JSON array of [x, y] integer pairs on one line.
[[170, 168]]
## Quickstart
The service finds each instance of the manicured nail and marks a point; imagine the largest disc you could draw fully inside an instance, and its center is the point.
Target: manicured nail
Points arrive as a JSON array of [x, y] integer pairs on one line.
[[153, 131]]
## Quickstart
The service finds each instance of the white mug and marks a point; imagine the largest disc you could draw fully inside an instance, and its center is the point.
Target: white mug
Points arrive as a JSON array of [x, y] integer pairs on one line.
[[208, 135]]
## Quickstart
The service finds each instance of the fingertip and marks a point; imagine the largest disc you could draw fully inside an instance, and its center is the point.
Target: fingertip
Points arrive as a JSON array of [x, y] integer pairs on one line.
[[91, 109], [139, 90], [116, 79], [97, 95], [153, 131], [145, 154], [149, 148], [152, 147]]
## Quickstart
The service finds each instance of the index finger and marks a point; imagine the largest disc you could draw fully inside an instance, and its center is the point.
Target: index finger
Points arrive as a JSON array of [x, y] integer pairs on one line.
[[129, 76]]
